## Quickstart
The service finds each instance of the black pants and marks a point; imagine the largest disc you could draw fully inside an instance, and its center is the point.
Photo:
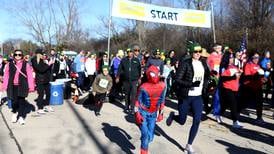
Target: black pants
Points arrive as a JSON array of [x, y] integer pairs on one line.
[[130, 90], [248, 95], [90, 80], [229, 100], [99, 100], [18, 103], [43, 89]]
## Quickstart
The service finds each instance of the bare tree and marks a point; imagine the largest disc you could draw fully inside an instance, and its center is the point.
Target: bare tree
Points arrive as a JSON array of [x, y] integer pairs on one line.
[[50, 21]]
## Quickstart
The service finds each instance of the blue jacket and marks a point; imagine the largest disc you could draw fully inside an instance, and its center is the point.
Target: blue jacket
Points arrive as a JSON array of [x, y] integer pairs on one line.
[[115, 65], [79, 63], [264, 62]]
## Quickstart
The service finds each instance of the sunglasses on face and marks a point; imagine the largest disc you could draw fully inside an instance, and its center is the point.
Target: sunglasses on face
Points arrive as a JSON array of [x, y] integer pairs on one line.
[[255, 57], [17, 54], [200, 51], [136, 50]]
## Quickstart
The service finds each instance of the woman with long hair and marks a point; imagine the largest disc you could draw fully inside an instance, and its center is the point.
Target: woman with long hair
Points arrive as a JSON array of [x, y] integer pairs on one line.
[[229, 79]]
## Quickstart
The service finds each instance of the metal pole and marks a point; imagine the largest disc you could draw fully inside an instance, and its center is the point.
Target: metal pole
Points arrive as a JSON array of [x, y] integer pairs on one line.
[[246, 33], [109, 27], [2, 49], [213, 23]]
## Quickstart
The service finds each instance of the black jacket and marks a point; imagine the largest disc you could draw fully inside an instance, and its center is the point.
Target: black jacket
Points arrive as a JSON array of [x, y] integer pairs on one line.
[[23, 88], [129, 69], [184, 77], [54, 69], [42, 71]]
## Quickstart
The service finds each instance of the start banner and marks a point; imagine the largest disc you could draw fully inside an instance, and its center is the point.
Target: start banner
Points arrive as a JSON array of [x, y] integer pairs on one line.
[[153, 13]]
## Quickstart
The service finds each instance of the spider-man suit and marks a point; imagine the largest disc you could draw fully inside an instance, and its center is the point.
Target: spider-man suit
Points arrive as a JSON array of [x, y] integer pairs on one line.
[[150, 99]]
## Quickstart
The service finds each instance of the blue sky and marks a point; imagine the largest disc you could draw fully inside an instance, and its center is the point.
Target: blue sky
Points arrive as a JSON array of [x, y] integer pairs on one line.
[[10, 26]]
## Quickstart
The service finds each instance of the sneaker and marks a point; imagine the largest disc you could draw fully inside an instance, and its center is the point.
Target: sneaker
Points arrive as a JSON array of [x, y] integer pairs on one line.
[[48, 109], [170, 118], [237, 124], [219, 119], [189, 149], [21, 121], [14, 118], [259, 121], [41, 111], [97, 114]]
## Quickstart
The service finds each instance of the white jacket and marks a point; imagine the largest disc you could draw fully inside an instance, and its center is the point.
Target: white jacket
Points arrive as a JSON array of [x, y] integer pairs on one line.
[[90, 66]]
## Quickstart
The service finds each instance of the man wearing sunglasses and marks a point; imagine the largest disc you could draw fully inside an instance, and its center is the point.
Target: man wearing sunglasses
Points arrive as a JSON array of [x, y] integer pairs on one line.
[[192, 78]]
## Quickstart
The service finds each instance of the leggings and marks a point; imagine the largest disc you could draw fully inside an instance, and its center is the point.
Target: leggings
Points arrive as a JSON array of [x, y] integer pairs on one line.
[[195, 103], [229, 100]]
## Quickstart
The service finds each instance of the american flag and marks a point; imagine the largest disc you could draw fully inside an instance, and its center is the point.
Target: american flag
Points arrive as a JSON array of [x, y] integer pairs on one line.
[[243, 45], [243, 49]]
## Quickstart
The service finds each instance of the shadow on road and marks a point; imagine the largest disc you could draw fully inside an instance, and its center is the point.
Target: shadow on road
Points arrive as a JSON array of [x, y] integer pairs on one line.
[[250, 134], [118, 136], [88, 130], [233, 149], [159, 131]]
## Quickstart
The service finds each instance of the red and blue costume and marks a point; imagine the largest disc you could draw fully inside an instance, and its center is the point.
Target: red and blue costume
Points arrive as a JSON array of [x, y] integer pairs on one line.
[[150, 99]]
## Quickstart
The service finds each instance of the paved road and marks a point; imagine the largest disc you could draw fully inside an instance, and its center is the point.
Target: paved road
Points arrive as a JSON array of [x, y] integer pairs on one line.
[[74, 129]]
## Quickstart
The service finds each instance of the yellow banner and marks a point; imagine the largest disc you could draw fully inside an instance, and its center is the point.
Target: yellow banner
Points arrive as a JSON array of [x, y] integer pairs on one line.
[[153, 13]]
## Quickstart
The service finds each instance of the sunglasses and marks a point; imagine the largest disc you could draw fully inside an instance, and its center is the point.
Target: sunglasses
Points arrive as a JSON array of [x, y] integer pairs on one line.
[[200, 51], [255, 57], [18, 54], [136, 50]]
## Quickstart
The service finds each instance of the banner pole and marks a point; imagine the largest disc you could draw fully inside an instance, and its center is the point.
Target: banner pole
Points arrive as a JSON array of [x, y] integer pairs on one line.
[[213, 23], [109, 28]]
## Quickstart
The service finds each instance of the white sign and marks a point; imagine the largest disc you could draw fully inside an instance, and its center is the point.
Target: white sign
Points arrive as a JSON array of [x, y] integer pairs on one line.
[[154, 13]]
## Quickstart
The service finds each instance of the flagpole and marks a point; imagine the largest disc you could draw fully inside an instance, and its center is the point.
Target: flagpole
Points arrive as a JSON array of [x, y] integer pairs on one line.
[[246, 33], [213, 23], [109, 27]]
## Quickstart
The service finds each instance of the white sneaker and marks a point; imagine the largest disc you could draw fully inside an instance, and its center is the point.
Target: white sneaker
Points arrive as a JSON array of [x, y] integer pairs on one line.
[[219, 119], [14, 118], [40, 111], [21, 121], [189, 149], [48, 109], [237, 124]]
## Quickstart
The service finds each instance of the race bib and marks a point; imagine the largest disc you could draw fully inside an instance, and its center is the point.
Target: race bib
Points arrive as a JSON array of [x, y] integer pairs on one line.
[[103, 83], [233, 71]]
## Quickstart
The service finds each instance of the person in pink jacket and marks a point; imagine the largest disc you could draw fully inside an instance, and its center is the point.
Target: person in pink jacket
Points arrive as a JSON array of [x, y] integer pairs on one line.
[[18, 81]]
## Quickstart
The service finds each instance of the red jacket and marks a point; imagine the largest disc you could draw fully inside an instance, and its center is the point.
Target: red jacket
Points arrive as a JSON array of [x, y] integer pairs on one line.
[[232, 81], [251, 69]]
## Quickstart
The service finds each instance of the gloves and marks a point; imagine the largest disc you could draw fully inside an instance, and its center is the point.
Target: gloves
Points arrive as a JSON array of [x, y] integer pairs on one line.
[[139, 118], [196, 84], [160, 117]]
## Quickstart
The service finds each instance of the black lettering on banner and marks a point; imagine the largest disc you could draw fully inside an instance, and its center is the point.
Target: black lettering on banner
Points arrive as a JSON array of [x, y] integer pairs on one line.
[[170, 15], [175, 14], [153, 13], [164, 15], [159, 14]]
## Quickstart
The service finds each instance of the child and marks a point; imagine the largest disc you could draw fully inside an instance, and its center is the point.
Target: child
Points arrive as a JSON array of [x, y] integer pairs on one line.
[[150, 99], [101, 87], [167, 74]]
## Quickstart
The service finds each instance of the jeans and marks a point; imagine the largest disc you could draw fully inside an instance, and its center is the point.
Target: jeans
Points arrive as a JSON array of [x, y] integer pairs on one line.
[[147, 128], [80, 80], [196, 104]]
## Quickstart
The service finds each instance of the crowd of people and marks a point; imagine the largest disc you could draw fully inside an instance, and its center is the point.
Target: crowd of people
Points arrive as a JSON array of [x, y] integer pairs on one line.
[[145, 80]]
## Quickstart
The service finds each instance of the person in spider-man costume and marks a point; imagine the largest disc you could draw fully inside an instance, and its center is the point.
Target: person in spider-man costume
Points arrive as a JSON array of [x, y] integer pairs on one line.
[[150, 103]]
